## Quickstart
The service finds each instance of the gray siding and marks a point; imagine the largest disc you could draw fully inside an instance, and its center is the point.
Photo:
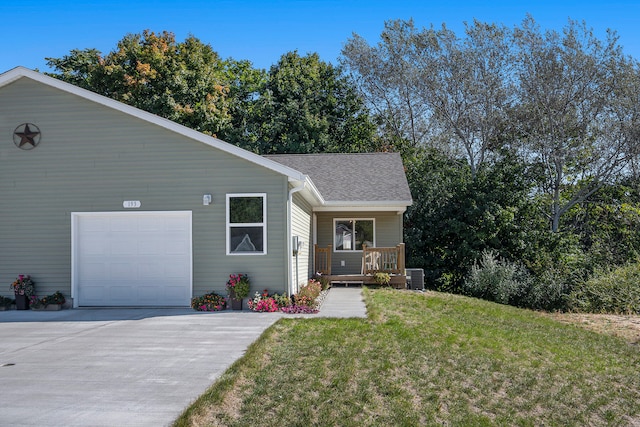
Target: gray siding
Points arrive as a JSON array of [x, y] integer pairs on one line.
[[301, 226], [388, 233], [92, 158]]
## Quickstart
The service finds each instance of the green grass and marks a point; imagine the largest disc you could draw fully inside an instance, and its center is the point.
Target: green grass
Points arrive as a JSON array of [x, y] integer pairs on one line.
[[427, 359]]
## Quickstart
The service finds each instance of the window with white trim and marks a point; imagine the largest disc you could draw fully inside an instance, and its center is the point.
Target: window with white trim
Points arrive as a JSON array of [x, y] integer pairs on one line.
[[351, 233], [247, 224]]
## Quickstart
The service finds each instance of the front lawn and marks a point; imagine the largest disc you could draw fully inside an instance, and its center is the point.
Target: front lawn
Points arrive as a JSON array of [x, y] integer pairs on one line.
[[427, 359]]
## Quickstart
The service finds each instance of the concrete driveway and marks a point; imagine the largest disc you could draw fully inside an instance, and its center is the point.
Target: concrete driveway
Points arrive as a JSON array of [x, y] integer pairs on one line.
[[115, 367]]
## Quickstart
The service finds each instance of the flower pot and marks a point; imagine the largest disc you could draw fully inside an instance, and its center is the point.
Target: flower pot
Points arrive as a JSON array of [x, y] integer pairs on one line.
[[22, 302], [48, 307], [236, 304]]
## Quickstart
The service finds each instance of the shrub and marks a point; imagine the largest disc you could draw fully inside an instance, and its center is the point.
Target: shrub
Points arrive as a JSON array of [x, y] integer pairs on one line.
[[282, 300], [612, 291], [381, 278], [324, 281], [308, 293], [497, 280], [547, 292]]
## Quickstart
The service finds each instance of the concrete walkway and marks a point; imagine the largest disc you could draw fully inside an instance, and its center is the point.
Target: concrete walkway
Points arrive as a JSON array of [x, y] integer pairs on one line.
[[343, 302], [125, 367]]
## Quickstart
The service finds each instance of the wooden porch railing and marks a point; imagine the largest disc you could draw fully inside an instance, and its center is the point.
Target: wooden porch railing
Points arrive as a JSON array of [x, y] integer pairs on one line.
[[387, 260], [322, 260]]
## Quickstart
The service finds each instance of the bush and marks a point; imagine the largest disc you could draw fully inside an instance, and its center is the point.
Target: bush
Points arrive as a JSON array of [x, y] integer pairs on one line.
[[282, 300], [614, 291], [308, 294], [547, 292], [495, 280]]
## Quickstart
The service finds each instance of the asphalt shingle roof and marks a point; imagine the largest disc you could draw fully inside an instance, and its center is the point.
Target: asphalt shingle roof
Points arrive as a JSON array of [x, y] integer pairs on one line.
[[357, 177]]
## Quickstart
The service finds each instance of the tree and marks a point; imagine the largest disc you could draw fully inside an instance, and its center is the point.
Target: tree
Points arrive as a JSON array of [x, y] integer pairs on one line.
[[185, 82], [308, 106], [469, 89], [573, 118], [434, 89], [387, 77], [454, 217]]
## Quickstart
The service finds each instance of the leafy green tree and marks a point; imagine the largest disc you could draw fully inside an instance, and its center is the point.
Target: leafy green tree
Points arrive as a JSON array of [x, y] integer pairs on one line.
[[308, 106], [608, 225], [455, 218], [186, 82]]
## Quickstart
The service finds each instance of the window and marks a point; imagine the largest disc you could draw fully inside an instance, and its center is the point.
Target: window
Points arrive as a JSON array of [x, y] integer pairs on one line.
[[246, 224], [351, 234]]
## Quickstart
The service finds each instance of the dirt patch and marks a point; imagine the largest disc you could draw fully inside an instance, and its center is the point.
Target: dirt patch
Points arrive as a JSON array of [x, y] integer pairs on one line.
[[623, 326]]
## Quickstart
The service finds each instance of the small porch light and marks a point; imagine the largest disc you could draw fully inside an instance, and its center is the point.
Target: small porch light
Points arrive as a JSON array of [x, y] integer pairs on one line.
[[206, 199]]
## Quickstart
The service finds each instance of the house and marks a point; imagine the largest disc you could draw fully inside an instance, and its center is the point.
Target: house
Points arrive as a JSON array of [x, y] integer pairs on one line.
[[114, 206]]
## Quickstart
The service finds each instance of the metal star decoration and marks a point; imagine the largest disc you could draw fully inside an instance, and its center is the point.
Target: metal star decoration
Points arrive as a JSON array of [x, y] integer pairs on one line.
[[26, 136]]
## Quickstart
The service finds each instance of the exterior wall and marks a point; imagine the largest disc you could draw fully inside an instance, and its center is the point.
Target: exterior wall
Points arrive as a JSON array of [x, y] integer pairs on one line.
[[388, 233], [301, 227], [92, 158]]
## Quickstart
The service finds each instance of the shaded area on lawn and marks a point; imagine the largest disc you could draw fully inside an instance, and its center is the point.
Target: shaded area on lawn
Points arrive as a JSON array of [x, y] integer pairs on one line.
[[425, 359]]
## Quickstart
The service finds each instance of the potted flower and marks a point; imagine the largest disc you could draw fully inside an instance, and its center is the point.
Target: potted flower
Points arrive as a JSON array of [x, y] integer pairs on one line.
[[50, 302], [209, 302], [238, 287], [23, 289]]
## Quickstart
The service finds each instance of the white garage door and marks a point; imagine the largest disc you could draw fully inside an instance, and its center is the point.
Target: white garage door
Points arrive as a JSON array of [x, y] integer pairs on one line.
[[132, 259]]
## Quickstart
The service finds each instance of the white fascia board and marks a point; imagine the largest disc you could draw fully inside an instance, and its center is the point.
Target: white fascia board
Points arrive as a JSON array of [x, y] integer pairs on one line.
[[20, 72], [310, 189], [399, 207]]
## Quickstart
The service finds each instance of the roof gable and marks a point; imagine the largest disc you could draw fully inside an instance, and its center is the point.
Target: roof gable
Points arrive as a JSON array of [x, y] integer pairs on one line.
[[21, 72], [354, 179]]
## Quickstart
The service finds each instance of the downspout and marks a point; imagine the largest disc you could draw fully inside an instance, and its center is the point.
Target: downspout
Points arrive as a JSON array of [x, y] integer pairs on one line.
[[290, 235]]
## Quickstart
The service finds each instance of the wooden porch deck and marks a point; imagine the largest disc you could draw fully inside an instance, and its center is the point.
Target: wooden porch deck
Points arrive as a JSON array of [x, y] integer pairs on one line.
[[386, 260]]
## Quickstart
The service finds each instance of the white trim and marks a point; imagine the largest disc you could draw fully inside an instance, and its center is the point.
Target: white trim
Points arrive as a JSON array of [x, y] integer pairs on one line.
[[291, 284], [262, 224], [355, 220], [75, 216], [364, 208]]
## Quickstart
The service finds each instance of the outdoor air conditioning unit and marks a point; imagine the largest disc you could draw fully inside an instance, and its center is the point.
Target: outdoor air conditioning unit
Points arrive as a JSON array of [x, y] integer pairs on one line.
[[416, 278]]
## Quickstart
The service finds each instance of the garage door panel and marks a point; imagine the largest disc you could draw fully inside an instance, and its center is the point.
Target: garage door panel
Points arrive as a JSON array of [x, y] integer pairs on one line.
[[174, 271], [92, 269], [133, 259], [122, 223], [94, 293]]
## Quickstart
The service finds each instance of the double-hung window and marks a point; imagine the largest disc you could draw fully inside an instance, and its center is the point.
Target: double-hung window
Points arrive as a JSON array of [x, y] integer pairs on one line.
[[351, 234], [247, 224]]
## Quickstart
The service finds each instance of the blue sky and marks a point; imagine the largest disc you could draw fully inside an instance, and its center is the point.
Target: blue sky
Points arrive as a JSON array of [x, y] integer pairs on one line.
[[262, 30]]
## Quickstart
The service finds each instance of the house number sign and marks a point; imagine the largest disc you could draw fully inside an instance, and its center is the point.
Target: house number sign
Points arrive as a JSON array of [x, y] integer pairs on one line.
[[131, 204]]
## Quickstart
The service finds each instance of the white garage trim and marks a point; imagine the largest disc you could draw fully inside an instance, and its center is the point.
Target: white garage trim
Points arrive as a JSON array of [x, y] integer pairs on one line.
[[131, 258]]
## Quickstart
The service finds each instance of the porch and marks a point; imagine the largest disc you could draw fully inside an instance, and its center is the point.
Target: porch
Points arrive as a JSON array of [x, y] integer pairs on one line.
[[374, 260]]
